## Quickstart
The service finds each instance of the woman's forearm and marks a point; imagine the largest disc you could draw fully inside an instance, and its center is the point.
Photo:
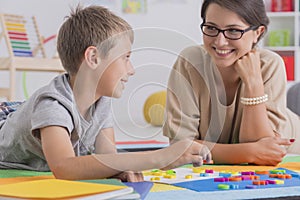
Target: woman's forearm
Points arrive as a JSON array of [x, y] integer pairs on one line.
[[230, 153], [266, 151], [255, 124]]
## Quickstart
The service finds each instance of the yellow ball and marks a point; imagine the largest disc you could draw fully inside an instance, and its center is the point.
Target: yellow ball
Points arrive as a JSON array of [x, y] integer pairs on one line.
[[154, 108]]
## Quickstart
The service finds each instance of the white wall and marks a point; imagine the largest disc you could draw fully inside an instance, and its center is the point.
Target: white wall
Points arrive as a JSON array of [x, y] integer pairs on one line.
[[161, 32]]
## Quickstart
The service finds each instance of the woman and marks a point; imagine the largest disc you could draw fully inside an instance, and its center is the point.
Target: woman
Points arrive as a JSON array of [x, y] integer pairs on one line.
[[228, 93]]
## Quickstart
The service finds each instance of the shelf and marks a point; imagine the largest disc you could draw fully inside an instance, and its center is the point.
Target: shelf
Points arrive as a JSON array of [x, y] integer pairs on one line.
[[282, 14], [286, 26], [288, 48]]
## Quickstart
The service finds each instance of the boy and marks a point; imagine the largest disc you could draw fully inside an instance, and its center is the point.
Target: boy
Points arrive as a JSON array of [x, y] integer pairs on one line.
[[66, 126]]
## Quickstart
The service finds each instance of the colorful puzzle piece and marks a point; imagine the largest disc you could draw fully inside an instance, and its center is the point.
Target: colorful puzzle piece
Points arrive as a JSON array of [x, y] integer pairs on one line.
[[179, 175]]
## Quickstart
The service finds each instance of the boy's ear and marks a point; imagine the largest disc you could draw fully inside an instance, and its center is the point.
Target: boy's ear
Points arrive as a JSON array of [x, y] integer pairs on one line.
[[92, 57]]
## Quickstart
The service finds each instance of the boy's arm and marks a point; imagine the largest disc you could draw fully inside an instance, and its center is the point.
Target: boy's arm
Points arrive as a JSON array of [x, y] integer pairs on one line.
[[266, 151], [64, 164], [105, 142]]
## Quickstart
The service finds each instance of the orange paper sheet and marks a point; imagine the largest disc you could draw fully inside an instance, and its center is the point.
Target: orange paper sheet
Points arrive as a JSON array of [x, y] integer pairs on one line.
[[54, 189], [4, 181]]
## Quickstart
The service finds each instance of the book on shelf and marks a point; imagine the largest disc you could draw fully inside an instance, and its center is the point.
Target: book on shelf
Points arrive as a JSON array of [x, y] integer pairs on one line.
[[289, 66], [279, 38], [282, 6]]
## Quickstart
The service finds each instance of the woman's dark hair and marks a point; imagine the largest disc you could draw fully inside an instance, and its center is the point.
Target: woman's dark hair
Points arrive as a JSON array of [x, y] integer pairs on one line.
[[253, 12]]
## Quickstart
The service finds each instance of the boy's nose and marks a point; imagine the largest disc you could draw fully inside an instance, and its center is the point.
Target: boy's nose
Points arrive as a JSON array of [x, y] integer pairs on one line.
[[131, 70]]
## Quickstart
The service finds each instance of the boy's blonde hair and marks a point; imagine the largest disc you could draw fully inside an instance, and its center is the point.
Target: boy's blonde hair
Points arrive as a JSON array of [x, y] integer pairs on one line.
[[90, 26]]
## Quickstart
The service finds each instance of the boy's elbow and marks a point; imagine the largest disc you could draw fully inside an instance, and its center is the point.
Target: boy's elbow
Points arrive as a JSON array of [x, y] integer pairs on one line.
[[61, 171]]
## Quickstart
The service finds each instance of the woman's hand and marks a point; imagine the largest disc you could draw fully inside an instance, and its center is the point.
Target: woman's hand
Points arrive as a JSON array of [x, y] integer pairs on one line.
[[185, 152], [249, 68], [269, 150]]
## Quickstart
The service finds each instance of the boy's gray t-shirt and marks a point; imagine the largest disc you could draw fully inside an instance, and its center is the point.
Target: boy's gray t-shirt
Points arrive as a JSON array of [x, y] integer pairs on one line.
[[52, 105]]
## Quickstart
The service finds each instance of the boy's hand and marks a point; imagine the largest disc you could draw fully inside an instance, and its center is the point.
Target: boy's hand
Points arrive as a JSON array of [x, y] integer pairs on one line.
[[188, 152], [130, 176]]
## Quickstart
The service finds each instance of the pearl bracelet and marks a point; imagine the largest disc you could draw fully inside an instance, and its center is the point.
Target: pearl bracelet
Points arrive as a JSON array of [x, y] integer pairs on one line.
[[254, 100]]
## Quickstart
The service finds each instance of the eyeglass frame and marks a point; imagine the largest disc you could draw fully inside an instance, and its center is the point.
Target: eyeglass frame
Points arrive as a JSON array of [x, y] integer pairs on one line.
[[223, 31]]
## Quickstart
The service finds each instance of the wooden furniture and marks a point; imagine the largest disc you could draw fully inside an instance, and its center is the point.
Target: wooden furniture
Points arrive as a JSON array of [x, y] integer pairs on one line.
[[25, 50]]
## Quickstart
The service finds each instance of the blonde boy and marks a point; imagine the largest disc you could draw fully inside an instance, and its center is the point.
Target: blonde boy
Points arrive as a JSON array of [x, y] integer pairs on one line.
[[67, 126]]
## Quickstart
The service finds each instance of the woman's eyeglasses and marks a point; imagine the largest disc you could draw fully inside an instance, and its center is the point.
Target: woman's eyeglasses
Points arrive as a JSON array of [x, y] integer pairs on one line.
[[230, 33]]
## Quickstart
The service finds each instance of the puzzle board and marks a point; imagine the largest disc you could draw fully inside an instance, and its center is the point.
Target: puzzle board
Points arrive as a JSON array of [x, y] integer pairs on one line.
[[201, 184]]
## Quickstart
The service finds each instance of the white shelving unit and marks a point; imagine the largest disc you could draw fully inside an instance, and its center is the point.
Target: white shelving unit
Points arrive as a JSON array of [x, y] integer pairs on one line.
[[286, 20]]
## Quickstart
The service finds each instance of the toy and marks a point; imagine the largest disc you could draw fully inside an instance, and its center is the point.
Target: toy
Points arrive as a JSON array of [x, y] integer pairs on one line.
[[25, 50], [200, 179], [154, 108], [179, 175]]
